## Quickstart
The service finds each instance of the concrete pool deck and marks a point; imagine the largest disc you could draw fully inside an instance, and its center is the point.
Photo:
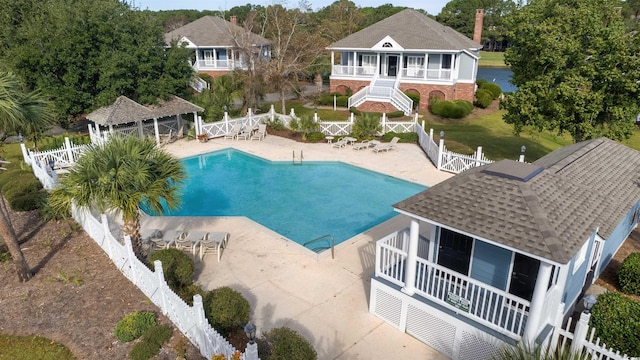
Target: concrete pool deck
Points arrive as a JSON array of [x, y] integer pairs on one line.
[[326, 300]]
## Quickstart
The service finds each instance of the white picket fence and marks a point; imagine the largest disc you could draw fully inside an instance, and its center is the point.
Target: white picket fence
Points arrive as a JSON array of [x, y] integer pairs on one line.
[[581, 340], [190, 320]]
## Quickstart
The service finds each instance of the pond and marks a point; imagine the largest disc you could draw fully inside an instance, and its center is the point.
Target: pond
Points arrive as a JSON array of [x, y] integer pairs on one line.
[[500, 76]]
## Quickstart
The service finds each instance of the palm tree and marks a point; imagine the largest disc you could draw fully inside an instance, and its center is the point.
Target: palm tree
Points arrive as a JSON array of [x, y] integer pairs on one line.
[[37, 115], [11, 118], [120, 177]]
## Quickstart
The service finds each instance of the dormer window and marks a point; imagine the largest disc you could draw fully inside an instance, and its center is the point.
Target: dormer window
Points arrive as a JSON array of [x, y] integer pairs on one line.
[[387, 45]]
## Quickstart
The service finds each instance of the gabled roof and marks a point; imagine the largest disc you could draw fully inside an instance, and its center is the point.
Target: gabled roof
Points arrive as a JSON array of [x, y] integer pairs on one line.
[[548, 208], [125, 110], [212, 31], [411, 30]]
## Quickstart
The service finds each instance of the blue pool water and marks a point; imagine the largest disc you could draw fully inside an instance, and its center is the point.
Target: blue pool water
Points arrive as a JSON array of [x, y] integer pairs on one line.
[[300, 202]]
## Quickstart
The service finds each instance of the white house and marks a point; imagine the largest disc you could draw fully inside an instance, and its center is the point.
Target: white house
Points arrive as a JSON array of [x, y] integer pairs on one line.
[[406, 52], [502, 253], [217, 44]]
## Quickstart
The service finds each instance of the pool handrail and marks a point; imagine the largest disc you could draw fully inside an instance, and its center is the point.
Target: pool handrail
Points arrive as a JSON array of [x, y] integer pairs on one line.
[[320, 238]]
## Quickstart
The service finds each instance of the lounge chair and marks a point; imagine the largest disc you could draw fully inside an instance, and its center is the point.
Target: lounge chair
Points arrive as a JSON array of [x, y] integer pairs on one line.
[[180, 133], [340, 143], [166, 138], [245, 134], [215, 242], [260, 133], [191, 241], [386, 146], [149, 233], [234, 131], [167, 239], [360, 146]]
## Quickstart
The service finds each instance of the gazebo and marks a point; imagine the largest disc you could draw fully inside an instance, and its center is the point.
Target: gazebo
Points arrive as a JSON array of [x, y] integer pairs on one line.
[[127, 117]]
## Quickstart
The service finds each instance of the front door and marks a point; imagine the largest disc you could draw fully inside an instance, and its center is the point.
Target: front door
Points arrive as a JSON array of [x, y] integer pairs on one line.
[[392, 65], [454, 251], [524, 276]]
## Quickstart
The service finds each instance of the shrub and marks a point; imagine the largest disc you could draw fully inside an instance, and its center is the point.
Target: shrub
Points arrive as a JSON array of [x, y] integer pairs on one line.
[[615, 318], [449, 109], [133, 325], [366, 126], [286, 344], [355, 111], [152, 340], [466, 105], [29, 201], [57, 142], [483, 98], [294, 124], [276, 124], [327, 100], [395, 114], [187, 293], [481, 82], [629, 274], [410, 137], [225, 309], [493, 88], [414, 97], [316, 137], [177, 267]]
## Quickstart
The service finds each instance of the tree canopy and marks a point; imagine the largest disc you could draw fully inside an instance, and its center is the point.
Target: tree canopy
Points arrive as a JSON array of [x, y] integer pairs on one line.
[[85, 53], [576, 67]]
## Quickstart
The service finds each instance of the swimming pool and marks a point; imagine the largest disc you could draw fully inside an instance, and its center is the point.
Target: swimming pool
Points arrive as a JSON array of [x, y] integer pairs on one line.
[[300, 202]]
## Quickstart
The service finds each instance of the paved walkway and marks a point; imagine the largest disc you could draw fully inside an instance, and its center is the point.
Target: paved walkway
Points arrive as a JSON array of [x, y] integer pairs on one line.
[[324, 299]]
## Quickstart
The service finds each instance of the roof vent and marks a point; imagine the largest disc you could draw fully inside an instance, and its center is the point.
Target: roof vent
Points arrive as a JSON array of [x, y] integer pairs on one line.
[[515, 170]]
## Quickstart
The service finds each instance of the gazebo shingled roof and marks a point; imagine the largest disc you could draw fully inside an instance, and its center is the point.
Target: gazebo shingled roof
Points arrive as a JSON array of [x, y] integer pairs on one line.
[[125, 110]]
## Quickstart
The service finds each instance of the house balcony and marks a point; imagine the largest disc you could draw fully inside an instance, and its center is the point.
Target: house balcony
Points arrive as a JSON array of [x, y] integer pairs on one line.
[[416, 73], [220, 65], [477, 301]]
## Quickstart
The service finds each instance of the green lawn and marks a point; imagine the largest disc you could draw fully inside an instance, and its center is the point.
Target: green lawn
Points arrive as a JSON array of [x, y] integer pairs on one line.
[[32, 347], [491, 59]]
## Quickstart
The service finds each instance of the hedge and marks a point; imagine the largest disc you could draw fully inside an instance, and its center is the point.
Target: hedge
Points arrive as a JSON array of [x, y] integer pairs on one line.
[[629, 274], [616, 319], [483, 98], [286, 344], [226, 309], [450, 109], [493, 88], [177, 266]]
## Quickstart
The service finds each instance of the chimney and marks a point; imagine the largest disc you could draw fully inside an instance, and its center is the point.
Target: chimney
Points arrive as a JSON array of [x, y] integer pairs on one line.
[[477, 28], [234, 20]]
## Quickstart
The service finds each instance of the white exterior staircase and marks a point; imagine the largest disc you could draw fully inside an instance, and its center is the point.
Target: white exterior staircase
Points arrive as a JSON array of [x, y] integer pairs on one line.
[[383, 90]]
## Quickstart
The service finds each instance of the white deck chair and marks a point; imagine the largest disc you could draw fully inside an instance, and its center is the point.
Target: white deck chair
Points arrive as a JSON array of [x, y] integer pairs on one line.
[[386, 146], [361, 146], [260, 133], [167, 239], [340, 143], [234, 131], [191, 241], [214, 243], [245, 134]]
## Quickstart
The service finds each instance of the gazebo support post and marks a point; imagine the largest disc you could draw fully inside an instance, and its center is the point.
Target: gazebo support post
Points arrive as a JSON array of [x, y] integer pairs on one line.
[[157, 132], [140, 132]]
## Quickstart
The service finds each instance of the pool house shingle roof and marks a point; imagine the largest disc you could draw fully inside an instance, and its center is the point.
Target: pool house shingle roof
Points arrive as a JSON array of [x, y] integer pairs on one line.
[[411, 30], [548, 208]]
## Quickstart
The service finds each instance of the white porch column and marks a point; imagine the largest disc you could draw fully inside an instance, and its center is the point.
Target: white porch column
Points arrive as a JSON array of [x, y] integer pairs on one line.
[[355, 62], [156, 131], [426, 63], [333, 61], [412, 254], [537, 303]]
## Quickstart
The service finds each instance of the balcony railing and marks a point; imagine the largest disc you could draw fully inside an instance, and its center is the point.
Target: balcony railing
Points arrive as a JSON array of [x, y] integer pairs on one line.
[[219, 65], [365, 71], [471, 298]]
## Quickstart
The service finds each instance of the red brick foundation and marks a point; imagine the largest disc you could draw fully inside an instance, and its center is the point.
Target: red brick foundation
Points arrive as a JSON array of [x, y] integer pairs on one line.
[[215, 73], [459, 91]]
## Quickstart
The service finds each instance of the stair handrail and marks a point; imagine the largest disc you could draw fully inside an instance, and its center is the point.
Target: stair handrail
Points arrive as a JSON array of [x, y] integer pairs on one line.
[[320, 238]]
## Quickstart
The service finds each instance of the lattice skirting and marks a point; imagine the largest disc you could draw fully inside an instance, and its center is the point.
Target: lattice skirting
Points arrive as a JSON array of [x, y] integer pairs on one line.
[[441, 331]]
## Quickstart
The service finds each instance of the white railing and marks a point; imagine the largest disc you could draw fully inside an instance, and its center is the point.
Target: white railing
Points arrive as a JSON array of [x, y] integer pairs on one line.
[[377, 93], [457, 163], [198, 84], [581, 340], [368, 71], [413, 73], [473, 299], [64, 157], [334, 128], [358, 98], [190, 320], [439, 74], [402, 101], [426, 142], [220, 64]]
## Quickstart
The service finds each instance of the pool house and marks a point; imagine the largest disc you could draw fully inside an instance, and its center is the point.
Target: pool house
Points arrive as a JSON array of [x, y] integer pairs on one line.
[[502, 253]]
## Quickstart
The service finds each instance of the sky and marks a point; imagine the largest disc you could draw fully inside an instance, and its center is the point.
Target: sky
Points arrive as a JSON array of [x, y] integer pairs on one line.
[[432, 7]]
